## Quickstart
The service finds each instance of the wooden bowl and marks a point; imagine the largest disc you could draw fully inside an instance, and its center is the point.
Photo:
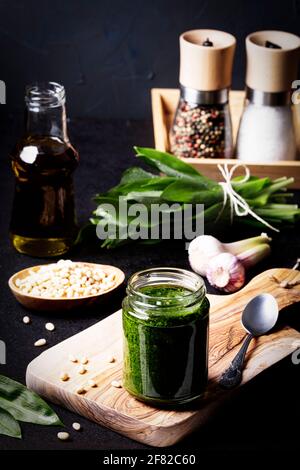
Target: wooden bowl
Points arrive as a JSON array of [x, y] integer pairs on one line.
[[60, 304]]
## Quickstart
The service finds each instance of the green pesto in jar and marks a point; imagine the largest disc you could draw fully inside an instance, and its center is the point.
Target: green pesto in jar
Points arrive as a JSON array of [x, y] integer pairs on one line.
[[165, 343]]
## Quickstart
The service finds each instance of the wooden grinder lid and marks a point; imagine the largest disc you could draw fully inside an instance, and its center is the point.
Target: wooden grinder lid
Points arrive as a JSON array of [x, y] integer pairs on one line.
[[206, 68], [272, 69]]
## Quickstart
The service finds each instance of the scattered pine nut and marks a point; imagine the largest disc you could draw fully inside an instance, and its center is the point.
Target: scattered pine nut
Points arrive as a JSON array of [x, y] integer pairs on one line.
[[111, 359], [92, 383], [64, 376], [84, 360], [82, 370], [80, 390], [40, 342], [72, 358], [50, 327], [26, 320], [63, 436], [76, 426], [116, 384]]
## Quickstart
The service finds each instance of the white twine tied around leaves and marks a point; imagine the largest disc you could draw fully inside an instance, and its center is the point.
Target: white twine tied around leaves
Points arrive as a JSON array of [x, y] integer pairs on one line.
[[238, 205]]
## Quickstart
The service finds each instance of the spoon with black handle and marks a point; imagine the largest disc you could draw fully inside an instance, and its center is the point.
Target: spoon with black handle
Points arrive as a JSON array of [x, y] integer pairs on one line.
[[259, 316]]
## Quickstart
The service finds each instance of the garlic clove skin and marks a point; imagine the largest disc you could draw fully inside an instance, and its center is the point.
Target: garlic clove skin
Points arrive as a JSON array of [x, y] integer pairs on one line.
[[236, 248], [253, 255], [201, 250], [225, 272]]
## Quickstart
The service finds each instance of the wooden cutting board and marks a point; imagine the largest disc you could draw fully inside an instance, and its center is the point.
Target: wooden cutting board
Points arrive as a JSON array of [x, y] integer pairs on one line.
[[116, 409]]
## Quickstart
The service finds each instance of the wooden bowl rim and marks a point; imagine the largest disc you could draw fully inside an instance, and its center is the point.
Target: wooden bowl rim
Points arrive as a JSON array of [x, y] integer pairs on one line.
[[16, 291]]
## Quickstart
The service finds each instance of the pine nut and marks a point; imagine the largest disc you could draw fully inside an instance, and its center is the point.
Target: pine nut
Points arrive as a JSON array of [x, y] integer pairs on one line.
[[82, 370], [63, 436], [76, 426], [84, 360], [80, 390], [26, 320], [92, 383], [64, 376], [72, 358], [116, 384], [40, 342], [111, 359], [65, 279], [50, 327]]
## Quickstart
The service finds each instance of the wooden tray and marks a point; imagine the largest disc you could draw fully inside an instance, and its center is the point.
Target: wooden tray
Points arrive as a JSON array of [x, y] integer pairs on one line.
[[116, 409], [164, 103]]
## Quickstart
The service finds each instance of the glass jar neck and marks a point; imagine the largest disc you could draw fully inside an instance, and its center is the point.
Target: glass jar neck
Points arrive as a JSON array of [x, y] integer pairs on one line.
[[46, 111], [193, 289]]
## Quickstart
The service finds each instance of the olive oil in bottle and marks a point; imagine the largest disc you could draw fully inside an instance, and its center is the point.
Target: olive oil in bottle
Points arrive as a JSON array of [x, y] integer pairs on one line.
[[43, 221]]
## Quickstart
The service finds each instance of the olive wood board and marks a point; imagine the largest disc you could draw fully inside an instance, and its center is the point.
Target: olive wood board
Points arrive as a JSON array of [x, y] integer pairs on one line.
[[164, 103], [116, 409]]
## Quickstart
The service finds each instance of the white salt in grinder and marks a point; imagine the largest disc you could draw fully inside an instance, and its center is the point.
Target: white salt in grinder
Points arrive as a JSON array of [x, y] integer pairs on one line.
[[267, 128]]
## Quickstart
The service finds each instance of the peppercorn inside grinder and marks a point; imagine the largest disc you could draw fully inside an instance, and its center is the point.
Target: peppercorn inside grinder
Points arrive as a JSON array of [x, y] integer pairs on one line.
[[202, 123], [268, 129]]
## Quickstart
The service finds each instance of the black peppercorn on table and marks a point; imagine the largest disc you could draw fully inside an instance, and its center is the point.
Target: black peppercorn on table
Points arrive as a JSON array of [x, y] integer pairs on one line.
[[270, 403]]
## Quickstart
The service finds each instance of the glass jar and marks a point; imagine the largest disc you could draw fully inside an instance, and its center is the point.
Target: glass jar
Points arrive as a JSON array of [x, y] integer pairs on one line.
[[165, 325], [43, 219], [202, 125]]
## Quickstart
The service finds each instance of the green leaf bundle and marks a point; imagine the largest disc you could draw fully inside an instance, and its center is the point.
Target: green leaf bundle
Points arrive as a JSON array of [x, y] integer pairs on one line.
[[177, 182]]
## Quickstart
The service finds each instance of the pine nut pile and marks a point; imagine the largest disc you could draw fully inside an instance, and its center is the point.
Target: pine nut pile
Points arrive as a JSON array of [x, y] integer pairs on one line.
[[66, 279]]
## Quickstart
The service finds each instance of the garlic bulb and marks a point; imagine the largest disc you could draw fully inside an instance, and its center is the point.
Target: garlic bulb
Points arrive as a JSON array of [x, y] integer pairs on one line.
[[201, 250], [249, 251], [226, 272]]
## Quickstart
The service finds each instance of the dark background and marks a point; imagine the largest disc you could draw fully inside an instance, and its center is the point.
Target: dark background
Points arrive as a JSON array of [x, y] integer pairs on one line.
[[110, 53]]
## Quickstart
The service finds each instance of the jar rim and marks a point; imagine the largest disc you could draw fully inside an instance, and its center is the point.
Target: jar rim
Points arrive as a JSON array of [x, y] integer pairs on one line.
[[167, 275], [44, 95]]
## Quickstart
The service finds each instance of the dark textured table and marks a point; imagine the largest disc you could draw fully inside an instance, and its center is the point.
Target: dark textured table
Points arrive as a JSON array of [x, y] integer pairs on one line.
[[265, 410]]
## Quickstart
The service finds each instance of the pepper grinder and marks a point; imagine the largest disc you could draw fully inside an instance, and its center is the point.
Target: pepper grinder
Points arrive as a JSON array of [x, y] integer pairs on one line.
[[267, 127], [202, 124]]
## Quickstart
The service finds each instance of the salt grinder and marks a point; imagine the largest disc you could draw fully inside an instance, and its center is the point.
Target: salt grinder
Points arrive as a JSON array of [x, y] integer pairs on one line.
[[202, 124], [267, 127]]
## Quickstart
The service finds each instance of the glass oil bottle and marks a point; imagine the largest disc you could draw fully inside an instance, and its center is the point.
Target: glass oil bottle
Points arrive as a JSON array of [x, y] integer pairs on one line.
[[43, 222]]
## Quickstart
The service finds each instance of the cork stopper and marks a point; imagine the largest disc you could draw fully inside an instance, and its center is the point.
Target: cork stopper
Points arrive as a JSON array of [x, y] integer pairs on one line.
[[272, 60], [206, 58]]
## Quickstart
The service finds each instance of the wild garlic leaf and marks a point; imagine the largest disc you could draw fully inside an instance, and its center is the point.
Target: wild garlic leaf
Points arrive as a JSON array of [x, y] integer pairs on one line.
[[157, 183], [170, 165], [135, 173], [8, 425], [25, 405], [182, 192]]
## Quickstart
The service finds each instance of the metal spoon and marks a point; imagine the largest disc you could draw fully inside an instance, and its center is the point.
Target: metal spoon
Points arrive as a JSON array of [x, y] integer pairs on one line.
[[259, 317]]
